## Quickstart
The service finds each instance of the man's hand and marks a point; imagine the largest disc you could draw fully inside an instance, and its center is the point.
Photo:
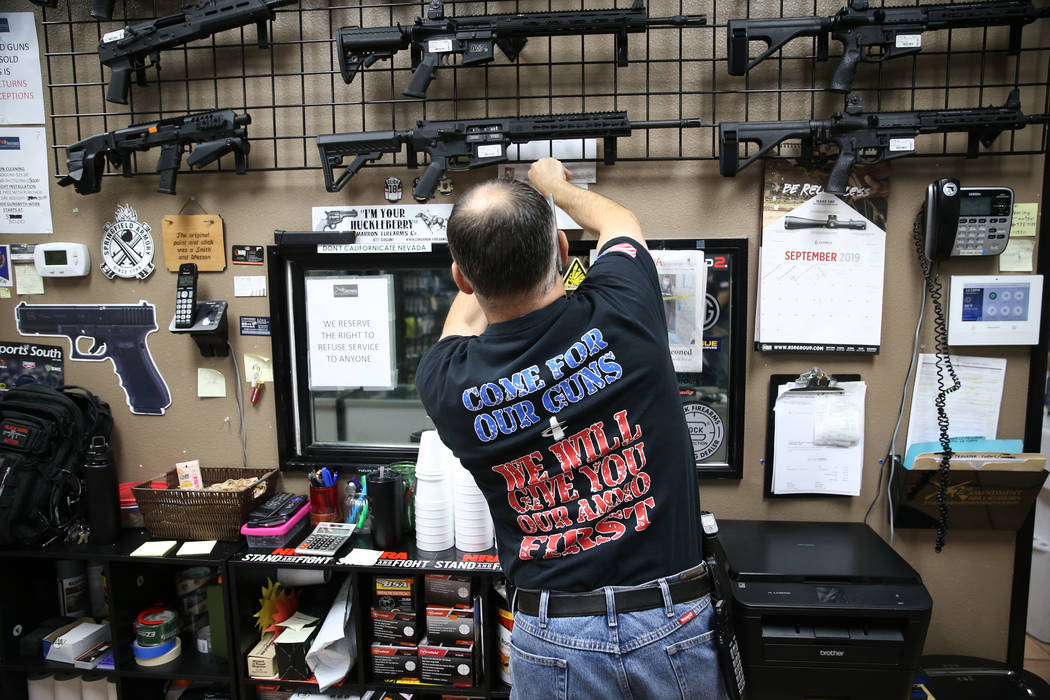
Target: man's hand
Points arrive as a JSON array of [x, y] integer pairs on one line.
[[547, 173]]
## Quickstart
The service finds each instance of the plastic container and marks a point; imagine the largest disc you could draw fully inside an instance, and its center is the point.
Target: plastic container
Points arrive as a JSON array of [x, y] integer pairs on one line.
[[270, 537]]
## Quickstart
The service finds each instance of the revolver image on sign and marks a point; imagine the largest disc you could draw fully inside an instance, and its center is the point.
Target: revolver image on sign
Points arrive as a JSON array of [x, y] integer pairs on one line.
[[333, 218], [118, 334]]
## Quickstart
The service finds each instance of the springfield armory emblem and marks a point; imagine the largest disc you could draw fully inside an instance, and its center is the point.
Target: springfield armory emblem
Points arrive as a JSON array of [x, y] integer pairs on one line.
[[127, 246]]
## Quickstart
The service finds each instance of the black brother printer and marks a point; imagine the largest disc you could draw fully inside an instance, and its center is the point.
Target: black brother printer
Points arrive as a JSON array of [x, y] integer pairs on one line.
[[824, 610]]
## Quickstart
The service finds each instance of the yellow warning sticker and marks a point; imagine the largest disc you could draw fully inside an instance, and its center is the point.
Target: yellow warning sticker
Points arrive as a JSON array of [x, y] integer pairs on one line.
[[574, 275]]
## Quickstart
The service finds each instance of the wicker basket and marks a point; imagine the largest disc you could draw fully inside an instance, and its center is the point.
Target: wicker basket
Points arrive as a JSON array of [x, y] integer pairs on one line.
[[203, 515]]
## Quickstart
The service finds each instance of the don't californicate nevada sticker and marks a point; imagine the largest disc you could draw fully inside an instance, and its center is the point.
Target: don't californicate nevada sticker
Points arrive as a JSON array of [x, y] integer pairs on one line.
[[706, 429]]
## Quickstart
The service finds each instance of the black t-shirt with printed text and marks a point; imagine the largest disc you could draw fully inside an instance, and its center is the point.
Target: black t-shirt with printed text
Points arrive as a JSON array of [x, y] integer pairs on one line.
[[570, 421]]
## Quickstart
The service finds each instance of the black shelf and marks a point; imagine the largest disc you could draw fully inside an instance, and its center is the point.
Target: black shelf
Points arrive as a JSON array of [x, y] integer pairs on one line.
[[25, 664], [128, 542], [191, 665]]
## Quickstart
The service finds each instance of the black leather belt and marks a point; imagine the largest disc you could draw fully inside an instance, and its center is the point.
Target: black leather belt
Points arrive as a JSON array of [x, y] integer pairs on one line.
[[593, 603]]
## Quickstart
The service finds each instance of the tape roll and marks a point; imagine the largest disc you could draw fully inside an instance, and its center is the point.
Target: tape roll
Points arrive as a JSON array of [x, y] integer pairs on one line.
[[41, 686], [156, 626], [152, 651], [165, 658]]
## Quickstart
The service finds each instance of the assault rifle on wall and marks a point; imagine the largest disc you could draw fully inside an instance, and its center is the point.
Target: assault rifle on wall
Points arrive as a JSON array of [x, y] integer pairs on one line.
[[126, 50], [472, 37], [832, 222], [217, 132], [868, 137], [873, 35], [473, 143]]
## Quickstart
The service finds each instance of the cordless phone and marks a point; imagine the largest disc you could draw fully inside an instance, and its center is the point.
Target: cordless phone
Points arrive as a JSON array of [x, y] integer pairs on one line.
[[967, 220], [185, 295]]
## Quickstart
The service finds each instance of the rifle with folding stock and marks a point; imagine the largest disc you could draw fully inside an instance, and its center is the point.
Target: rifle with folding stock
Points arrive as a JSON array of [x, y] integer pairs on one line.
[[465, 144], [473, 37], [869, 137]]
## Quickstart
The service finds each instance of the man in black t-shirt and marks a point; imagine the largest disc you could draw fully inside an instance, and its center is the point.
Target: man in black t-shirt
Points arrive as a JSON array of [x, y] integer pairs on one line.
[[566, 411]]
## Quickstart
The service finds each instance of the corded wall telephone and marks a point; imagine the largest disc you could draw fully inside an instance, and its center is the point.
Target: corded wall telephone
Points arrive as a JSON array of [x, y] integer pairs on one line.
[[966, 220]]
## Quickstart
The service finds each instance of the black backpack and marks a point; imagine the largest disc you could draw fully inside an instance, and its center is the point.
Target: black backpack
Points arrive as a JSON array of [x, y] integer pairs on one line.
[[44, 433]]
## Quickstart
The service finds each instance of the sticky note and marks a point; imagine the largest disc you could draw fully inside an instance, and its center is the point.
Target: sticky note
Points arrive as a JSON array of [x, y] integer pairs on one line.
[[211, 383], [1018, 256], [257, 367], [249, 286], [5, 292], [1024, 221], [193, 549], [154, 548], [361, 557], [28, 280]]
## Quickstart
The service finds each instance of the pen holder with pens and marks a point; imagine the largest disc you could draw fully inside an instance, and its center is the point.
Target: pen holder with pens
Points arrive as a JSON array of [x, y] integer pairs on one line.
[[325, 505]]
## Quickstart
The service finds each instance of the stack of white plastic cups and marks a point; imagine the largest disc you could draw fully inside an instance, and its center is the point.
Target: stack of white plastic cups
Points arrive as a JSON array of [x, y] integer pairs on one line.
[[434, 515], [474, 530]]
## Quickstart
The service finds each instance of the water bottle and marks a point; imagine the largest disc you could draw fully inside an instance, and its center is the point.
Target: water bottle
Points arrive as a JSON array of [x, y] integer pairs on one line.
[[100, 481]]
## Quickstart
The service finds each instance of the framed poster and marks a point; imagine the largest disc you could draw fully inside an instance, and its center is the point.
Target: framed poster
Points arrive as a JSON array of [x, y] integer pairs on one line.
[[713, 398]]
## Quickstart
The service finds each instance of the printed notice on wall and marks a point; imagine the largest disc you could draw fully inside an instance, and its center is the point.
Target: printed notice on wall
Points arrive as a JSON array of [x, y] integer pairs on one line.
[[25, 206], [349, 332], [21, 87], [404, 228], [683, 278]]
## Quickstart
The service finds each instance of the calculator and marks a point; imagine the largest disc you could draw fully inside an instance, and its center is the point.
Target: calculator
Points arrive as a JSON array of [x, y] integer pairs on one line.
[[326, 539]]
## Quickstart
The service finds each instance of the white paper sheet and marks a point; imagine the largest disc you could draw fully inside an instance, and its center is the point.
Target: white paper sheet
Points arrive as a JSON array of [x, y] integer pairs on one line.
[[799, 466], [249, 286], [821, 286], [334, 650], [21, 84], [973, 410], [25, 203], [349, 332], [683, 284]]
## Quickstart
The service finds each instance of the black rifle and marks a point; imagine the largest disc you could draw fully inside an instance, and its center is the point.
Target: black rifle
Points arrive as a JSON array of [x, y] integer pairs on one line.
[[796, 222], [218, 133], [872, 35], [465, 144], [126, 50], [473, 36], [870, 137]]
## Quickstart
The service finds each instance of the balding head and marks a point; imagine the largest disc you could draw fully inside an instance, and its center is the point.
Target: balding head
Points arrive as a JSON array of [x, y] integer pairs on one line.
[[502, 236]]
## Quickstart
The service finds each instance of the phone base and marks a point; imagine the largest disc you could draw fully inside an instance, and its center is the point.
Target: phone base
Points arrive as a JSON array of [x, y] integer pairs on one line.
[[210, 329]]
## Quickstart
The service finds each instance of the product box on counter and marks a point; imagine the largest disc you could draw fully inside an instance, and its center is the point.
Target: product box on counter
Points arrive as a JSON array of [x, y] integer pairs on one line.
[[392, 661], [292, 646], [450, 626], [447, 590], [446, 665], [395, 627], [83, 637], [395, 592], [262, 661]]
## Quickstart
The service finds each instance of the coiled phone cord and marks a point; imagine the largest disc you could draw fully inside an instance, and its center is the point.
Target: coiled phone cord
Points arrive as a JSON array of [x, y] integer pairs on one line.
[[943, 363]]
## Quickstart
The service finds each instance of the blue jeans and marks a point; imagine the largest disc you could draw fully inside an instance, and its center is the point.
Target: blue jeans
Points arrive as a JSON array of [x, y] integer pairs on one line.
[[665, 652]]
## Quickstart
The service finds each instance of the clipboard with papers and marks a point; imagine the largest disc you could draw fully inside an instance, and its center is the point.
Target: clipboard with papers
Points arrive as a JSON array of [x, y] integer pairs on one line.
[[815, 434]]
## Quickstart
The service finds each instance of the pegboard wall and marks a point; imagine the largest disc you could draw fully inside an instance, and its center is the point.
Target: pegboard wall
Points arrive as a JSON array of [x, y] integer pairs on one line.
[[293, 90]]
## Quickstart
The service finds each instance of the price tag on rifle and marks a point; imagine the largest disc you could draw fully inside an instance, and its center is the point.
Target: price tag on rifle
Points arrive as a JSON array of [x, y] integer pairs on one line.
[[194, 238], [439, 45], [127, 246], [909, 41], [902, 145]]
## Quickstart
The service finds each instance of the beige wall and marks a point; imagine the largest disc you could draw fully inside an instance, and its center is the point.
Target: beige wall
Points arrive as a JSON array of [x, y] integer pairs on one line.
[[970, 581]]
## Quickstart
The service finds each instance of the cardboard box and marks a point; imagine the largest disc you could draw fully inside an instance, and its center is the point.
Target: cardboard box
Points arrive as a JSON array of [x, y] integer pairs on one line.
[[446, 665], [395, 592], [262, 658], [81, 638], [392, 661], [446, 590], [292, 646], [450, 626], [395, 627], [986, 490]]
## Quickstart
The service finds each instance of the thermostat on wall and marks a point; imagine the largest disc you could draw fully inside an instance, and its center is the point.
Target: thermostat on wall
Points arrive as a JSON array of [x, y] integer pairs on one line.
[[995, 309], [61, 259]]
